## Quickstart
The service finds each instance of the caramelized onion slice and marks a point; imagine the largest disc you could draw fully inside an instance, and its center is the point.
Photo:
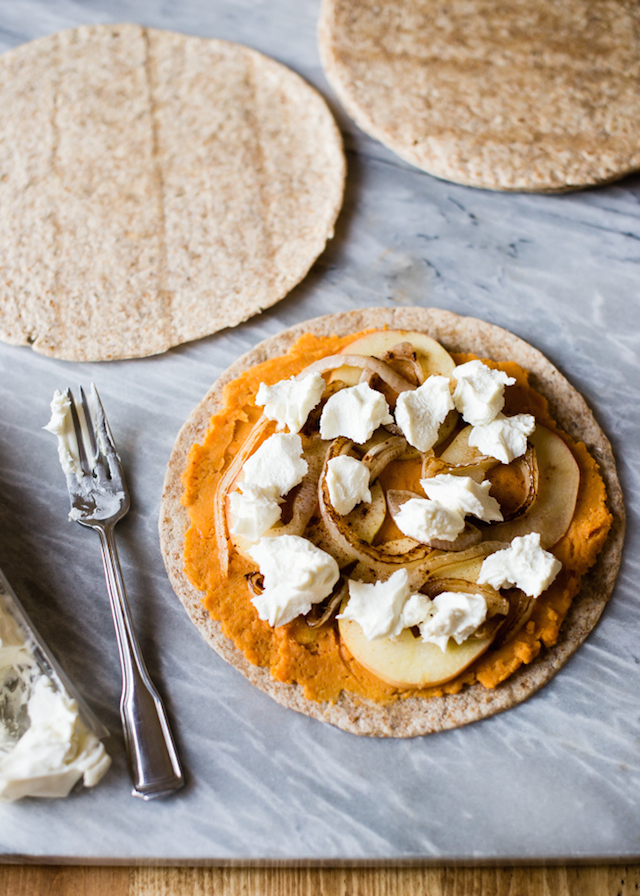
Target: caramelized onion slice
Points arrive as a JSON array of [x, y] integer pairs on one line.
[[255, 581], [382, 454], [433, 466], [306, 497], [225, 485], [441, 561], [335, 599], [528, 463], [496, 603], [520, 609], [386, 373], [341, 534], [403, 358]]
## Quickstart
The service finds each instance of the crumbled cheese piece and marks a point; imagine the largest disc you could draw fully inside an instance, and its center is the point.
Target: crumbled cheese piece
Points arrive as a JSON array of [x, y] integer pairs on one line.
[[416, 610], [377, 608], [55, 751], [505, 438], [524, 564], [479, 391], [425, 520], [348, 483], [296, 574], [453, 614], [61, 425], [420, 413], [463, 494], [253, 513], [289, 402], [277, 466], [355, 413]]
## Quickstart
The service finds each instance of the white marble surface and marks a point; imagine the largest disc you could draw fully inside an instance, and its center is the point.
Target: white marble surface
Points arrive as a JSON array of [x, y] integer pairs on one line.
[[559, 776]]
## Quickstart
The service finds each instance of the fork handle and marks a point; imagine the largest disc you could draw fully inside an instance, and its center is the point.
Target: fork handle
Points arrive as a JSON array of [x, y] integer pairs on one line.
[[153, 759]]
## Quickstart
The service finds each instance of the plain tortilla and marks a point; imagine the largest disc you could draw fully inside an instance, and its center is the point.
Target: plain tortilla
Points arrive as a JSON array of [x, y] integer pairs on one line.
[[413, 716], [520, 95], [155, 188]]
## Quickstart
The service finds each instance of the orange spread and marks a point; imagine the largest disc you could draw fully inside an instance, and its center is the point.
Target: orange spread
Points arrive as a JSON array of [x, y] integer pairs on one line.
[[314, 658]]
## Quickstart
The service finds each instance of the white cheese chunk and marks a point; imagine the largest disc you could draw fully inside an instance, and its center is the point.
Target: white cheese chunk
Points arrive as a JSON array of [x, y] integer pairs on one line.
[[377, 608], [524, 564], [348, 483], [253, 513], [297, 575], [463, 494], [479, 391], [61, 425], [45, 745], [416, 610], [355, 413], [505, 438], [453, 615], [277, 466], [55, 751], [425, 520], [420, 413], [289, 402]]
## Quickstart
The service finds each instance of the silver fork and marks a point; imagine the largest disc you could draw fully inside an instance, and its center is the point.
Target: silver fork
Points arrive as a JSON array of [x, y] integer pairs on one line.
[[99, 498]]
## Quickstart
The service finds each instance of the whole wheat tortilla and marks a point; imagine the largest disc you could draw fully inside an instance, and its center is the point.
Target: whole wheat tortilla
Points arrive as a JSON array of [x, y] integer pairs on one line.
[[413, 716], [520, 95], [154, 189]]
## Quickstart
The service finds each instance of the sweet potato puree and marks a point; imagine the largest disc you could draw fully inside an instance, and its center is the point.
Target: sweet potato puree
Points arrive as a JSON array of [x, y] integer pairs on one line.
[[314, 658]]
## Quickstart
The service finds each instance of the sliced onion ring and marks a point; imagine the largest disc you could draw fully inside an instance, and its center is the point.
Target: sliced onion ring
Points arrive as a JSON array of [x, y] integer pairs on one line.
[[335, 599], [434, 466], [375, 556], [404, 353], [496, 603], [520, 609], [386, 373], [529, 465], [306, 498], [225, 485], [382, 454]]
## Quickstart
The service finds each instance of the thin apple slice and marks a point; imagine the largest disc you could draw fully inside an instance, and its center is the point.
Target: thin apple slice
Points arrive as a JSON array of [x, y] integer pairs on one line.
[[460, 453], [551, 511], [409, 662], [366, 519], [433, 358]]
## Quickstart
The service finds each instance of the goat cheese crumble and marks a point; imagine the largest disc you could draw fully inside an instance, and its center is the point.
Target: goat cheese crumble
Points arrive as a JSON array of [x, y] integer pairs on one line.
[[348, 483], [355, 413], [524, 564]]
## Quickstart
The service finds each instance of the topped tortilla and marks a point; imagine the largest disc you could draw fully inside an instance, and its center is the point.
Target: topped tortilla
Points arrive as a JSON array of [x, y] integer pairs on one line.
[[415, 713]]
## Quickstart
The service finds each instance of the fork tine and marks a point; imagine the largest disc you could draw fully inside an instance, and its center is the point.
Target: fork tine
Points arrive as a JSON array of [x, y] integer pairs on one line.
[[77, 428], [107, 441], [90, 427], [103, 423]]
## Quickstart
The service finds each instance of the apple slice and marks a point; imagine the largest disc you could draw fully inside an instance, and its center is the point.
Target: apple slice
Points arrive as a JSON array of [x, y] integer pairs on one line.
[[409, 662], [551, 511], [433, 358], [366, 519]]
